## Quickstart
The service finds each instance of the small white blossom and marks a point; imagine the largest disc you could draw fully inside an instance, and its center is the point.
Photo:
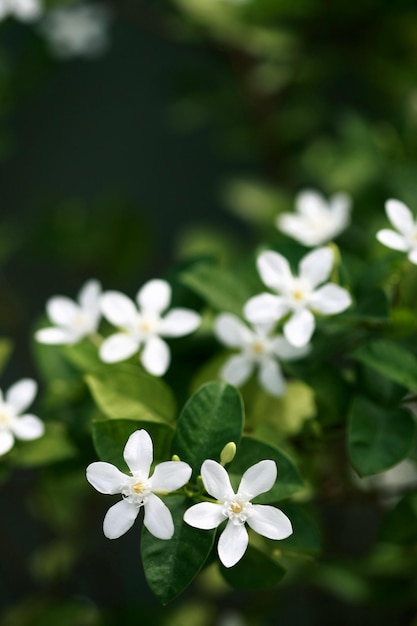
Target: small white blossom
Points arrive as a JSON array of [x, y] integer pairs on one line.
[[258, 349], [405, 237], [138, 490], [23, 10], [73, 320], [316, 221], [12, 423], [77, 30], [144, 326], [298, 295], [238, 509]]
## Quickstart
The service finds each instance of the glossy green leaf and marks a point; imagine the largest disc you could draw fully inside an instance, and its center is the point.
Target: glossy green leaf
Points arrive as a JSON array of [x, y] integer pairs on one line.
[[390, 360], [400, 524], [252, 451], [110, 437], [212, 417], [52, 447], [306, 535], [170, 566], [127, 392], [255, 570], [378, 438]]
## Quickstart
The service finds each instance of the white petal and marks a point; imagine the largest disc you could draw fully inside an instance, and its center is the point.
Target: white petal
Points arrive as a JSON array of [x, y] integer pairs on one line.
[[237, 370], [293, 226], [316, 266], [118, 309], [119, 518], [231, 331], [138, 452], [400, 216], [341, 204], [179, 322], [216, 480], [170, 475], [285, 351], [158, 518], [330, 299], [413, 256], [232, 544], [57, 336], [21, 394], [310, 203], [28, 427], [206, 515], [392, 240], [299, 328], [265, 309], [155, 356], [259, 478], [6, 441], [89, 298], [269, 522], [271, 378], [118, 347], [61, 310], [274, 270], [105, 477], [154, 297]]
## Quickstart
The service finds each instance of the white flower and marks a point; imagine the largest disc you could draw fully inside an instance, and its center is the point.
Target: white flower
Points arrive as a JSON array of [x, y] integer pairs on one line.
[[77, 30], [145, 326], [298, 295], [24, 10], [73, 320], [258, 348], [238, 509], [316, 221], [138, 490], [405, 239], [12, 423]]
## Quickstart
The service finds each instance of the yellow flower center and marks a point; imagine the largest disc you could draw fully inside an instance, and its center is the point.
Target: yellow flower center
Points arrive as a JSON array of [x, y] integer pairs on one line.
[[4, 419], [258, 348], [236, 507], [139, 487], [298, 295]]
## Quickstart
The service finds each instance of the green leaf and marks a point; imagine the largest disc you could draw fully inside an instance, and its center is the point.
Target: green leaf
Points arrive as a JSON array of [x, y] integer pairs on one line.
[[212, 417], [127, 392], [170, 566], [110, 437], [390, 360], [255, 570], [52, 447], [252, 451], [377, 438], [400, 524], [306, 534]]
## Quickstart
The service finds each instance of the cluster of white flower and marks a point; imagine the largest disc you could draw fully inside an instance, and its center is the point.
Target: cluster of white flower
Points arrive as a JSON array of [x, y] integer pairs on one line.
[[140, 490]]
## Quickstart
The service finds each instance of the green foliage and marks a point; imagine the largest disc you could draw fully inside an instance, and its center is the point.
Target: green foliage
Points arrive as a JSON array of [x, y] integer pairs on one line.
[[391, 360], [256, 570]]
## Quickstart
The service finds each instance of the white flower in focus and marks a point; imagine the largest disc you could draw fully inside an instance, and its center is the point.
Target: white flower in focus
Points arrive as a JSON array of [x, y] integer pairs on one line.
[[316, 221], [23, 10], [73, 321], [258, 349], [298, 295], [138, 490], [77, 30], [12, 423], [405, 236], [145, 326], [238, 509]]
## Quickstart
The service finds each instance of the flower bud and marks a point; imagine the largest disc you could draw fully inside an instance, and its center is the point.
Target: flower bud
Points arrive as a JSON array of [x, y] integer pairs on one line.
[[228, 453], [175, 457]]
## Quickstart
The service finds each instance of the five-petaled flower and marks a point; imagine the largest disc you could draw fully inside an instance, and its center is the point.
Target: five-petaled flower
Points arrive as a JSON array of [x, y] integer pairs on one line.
[[12, 423], [238, 509], [139, 489], [405, 239], [258, 348], [74, 320], [297, 295], [316, 221], [145, 326]]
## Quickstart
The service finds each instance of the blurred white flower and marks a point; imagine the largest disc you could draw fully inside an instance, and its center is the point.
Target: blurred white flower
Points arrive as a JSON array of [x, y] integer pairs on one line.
[[316, 221], [238, 509], [23, 10], [258, 349], [391, 484], [73, 321], [138, 490], [298, 295], [77, 30], [145, 326], [405, 237], [12, 423]]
